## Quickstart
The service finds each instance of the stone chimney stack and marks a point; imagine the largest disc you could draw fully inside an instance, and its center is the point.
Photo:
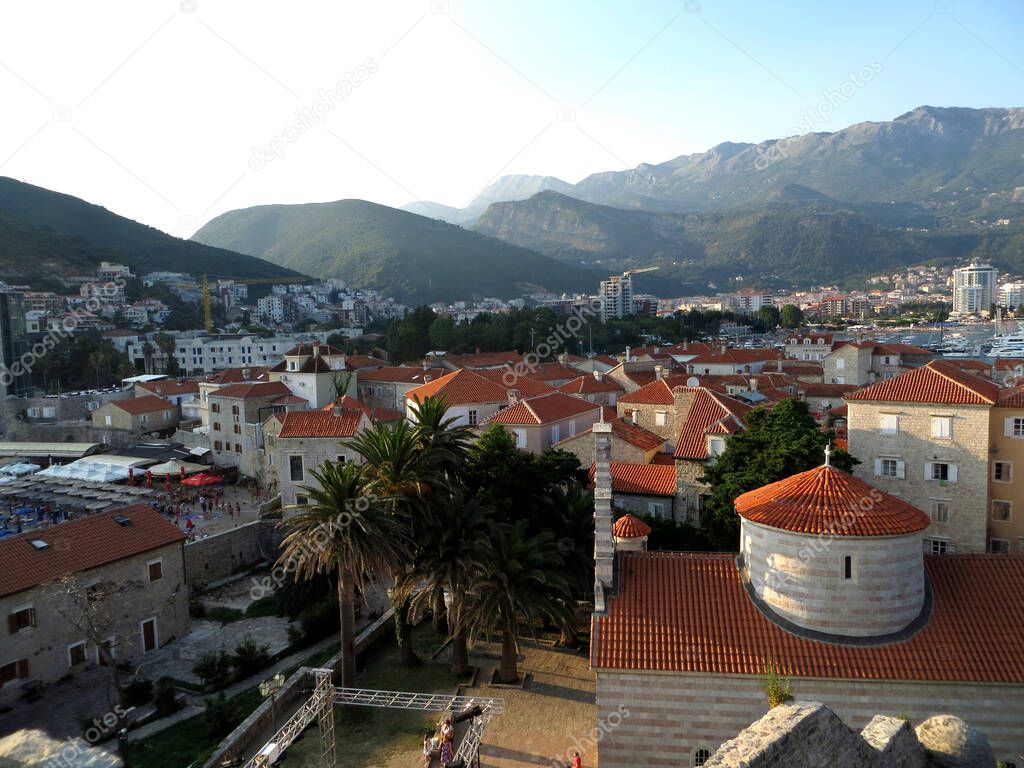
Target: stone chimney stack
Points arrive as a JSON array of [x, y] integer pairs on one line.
[[513, 396], [604, 546], [629, 355], [563, 358], [659, 372], [778, 364]]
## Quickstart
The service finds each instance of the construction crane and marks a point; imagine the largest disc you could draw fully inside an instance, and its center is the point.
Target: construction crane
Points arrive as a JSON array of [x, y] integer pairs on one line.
[[207, 306], [638, 271]]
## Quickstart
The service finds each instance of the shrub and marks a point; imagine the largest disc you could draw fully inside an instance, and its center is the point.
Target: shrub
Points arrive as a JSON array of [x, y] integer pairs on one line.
[[220, 716], [213, 669], [137, 692], [265, 606], [165, 697], [315, 622], [249, 657], [778, 688], [223, 614]]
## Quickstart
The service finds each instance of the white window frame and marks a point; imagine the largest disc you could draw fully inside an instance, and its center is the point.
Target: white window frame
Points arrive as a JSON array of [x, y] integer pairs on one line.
[[85, 654], [932, 510], [556, 433], [899, 468], [25, 607], [889, 423], [142, 634], [291, 469], [938, 546], [991, 547], [471, 417], [942, 427], [656, 509], [520, 435], [660, 418], [952, 472], [1009, 511], [1009, 474]]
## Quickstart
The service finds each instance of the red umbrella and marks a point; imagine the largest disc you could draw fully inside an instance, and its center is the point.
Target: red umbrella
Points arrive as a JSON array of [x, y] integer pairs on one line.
[[149, 479], [202, 479], [182, 473], [131, 476]]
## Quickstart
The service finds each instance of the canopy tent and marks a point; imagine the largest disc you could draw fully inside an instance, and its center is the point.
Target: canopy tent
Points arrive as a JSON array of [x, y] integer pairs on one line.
[[92, 470], [19, 469], [202, 479], [174, 467]]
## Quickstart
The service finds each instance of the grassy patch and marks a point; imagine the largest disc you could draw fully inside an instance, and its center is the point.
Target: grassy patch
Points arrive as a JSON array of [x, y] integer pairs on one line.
[[265, 606], [223, 614]]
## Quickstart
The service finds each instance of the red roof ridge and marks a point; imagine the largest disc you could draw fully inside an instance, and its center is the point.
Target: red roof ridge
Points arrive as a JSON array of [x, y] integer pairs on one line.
[[630, 527]]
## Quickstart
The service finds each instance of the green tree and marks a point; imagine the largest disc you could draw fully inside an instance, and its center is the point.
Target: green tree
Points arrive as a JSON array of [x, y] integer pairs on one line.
[[767, 318], [343, 528], [791, 316], [168, 344], [776, 444], [521, 581]]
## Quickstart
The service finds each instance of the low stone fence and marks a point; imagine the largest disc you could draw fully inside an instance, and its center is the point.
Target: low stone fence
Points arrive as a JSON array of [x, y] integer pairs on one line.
[[243, 739], [222, 554]]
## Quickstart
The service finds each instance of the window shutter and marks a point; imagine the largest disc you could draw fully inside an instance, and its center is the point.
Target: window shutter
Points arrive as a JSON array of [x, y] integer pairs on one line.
[[878, 467], [927, 470], [952, 473], [32, 616], [901, 470], [1008, 426], [22, 667], [12, 624], [950, 548]]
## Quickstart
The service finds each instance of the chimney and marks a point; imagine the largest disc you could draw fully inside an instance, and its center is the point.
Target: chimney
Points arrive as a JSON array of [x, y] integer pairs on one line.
[[245, 374], [598, 376], [316, 349], [604, 546], [628, 355], [752, 383], [778, 364], [659, 372], [336, 410], [633, 416], [513, 396], [564, 359], [427, 378]]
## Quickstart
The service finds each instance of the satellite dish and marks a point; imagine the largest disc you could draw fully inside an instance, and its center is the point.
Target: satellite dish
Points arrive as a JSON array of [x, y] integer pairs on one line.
[[693, 381]]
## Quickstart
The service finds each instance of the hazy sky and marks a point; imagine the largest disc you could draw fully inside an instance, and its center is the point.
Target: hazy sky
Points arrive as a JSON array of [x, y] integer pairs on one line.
[[173, 112]]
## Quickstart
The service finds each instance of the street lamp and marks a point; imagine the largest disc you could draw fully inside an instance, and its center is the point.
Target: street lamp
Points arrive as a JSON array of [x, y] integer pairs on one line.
[[270, 688]]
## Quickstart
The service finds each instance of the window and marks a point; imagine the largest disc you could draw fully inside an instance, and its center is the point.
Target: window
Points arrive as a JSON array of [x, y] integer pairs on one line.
[[301, 500], [21, 619], [215, 407], [234, 410], [217, 445], [889, 424], [1013, 426], [1001, 511], [656, 509], [556, 433], [847, 567], [942, 427], [941, 471], [295, 468], [940, 511], [659, 418], [341, 459], [16, 670], [840, 364], [156, 570], [520, 438], [892, 468], [238, 448], [237, 429], [999, 546], [76, 654], [701, 756], [1002, 471], [216, 426], [108, 419], [937, 546], [472, 418], [572, 429]]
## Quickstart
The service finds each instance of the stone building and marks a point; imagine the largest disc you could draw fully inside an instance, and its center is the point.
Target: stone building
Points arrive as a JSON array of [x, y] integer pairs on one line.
[[833, 593], [315, 372], [629, 443], [387, 386], [1005, 489], [236, 414], [473, 396], [138, 415], [866, 362], [539, 422], [811, 347], [595, 387], [133, 556], [924, 436]]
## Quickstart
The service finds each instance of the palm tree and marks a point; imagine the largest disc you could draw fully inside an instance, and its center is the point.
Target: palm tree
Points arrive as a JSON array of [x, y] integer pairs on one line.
[[520, 580], [445, 444], [570, 510], [450, 556], [343, 528], [396, 474]]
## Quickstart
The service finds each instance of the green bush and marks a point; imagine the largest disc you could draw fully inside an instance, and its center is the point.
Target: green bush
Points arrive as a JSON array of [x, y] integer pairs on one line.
[[137, 692], [223, 614], [221, 716], [265, 606], [315, 623], [164, 697], [213, 669], [249, 657]]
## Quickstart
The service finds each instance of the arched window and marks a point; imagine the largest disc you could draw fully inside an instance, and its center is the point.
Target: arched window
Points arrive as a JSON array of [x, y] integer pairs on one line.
[[701, 756]]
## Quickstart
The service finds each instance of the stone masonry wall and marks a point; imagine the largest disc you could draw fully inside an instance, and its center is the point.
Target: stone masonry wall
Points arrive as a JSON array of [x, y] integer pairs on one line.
[[222, 554], [672, 715]]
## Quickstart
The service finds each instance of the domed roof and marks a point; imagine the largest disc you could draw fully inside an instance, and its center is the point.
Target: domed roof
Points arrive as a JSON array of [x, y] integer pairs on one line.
[[630, 527], [828, 500]]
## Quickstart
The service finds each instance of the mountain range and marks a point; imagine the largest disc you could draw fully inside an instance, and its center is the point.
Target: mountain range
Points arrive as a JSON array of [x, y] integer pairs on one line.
[[46, 234], [413, 258]]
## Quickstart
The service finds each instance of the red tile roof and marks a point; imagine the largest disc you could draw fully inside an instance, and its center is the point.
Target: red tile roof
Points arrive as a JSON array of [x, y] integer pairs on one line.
[[258, 389], [359, 362], [1011, 398], [631, 433], [936, 382], [320, 424], [347, 403], [711, 412], [302, 350], [288, 399], [645, 479], [827, 390], [527, 385], [238, 375], [544, 409], [482, 359], [826, 500], [145, 404], [80, 545], [658, 392], [1008, 363], [630, 527], [401, 374], [588, 385], [687, 612], [465, 387], [664, 458], [901, 349], [735, 357], [170, 387], [553, 372]]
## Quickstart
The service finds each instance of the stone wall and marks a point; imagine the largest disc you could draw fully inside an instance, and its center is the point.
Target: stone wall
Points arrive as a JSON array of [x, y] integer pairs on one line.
[[672, 715], [69, 432], [913, 445], [218, 556]]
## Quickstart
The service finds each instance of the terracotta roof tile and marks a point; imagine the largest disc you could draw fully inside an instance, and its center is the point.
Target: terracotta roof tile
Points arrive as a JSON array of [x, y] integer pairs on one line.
[[543, 409], [320, 424], [359, 362], [664, 458], [464, 387], [646, 479], [145, 404], [827, 390], [709, 411], [588, 385], [658, 392], [301, 350], [79, 545], [735, 357], [347, 403], [401, 374], [687, 612], [259, 389], [1008, 363], [827, 500], [170, 387], [628, 432], [936, 382], [482, 359], [238, 375], [901, 349], [630, 527]]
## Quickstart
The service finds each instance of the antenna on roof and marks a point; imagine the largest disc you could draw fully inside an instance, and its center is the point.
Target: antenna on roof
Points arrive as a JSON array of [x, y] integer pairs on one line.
[[828, 454]]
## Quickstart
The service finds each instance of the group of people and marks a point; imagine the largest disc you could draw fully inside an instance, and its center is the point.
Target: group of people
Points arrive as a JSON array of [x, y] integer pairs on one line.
[[440, 745]]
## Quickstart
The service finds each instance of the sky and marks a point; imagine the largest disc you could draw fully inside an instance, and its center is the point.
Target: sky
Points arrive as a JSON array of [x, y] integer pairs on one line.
[[171, 113]]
